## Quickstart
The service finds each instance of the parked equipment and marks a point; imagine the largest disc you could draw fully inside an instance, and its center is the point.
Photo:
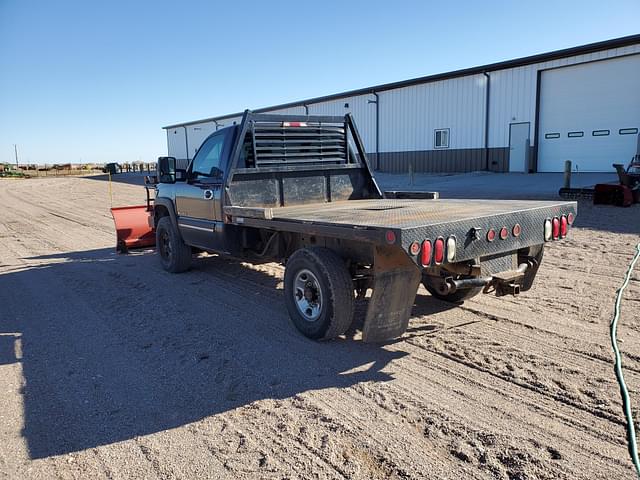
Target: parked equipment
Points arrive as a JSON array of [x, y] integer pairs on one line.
[[611, 194], [299, 190], [112, 168], [630, 177], [627, 191]]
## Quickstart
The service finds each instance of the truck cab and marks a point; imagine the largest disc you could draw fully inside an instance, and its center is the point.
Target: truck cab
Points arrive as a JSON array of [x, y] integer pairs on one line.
[[196, 195]]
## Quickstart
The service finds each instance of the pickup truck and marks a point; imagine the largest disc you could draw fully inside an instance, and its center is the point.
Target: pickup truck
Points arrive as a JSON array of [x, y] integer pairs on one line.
[[300, 190]]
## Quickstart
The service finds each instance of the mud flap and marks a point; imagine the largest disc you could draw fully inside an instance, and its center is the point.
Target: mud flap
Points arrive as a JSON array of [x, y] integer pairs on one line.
[[395, 284]]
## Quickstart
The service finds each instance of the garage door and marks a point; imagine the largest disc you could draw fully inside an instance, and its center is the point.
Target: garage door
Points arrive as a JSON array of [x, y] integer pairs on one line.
[[589, 114]]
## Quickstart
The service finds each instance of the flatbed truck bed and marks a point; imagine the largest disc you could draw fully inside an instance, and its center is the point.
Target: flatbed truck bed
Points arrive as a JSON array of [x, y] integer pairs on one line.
[[411, 220]]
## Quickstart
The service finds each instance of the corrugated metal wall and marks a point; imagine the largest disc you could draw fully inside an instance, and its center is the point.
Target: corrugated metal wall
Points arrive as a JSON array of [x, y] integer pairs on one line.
[[513, 92], [364, 115], [410, 115]]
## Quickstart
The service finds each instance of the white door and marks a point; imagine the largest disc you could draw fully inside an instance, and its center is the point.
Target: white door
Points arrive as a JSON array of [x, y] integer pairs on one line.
[[589, 114], [519, 147]]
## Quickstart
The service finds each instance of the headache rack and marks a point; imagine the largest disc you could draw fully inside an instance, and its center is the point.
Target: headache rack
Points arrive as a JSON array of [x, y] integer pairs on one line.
[[277, 143], [282, 140], [283, 160]]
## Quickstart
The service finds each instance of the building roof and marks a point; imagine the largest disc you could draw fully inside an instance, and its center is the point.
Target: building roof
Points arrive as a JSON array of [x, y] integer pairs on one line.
[[518, 62]]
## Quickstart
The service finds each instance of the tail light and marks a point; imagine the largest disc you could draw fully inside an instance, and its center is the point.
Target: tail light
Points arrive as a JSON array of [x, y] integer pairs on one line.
[[504, 233], [570, 219], [390, 237], [438, 251], [294, 124], [517, 230], [425, 256], [555, 224], [547, 230], [451, 249], [563, 226], [414, 248], [491, 235]]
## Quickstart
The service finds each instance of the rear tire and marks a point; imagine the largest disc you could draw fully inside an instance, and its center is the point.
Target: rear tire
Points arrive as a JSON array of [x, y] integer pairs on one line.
[[318, 292], [459, 296], [174, 255]]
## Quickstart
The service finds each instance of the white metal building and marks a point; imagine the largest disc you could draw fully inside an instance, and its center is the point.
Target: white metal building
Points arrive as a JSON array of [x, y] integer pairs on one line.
[[525, 115]]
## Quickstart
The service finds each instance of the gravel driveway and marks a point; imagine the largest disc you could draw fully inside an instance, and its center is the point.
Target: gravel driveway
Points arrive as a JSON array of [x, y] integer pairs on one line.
[[112, 368]]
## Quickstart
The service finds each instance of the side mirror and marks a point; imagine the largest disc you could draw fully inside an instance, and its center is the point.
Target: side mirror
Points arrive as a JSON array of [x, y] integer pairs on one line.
[[167, 169]]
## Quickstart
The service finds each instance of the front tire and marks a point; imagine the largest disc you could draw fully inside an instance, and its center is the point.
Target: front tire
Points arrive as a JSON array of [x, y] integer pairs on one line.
[[318, 293], [174, 255]]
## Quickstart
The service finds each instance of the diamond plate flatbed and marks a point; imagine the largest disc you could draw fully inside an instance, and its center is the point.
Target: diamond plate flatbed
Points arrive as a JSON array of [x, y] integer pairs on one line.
[[417, 220], [404, 214]]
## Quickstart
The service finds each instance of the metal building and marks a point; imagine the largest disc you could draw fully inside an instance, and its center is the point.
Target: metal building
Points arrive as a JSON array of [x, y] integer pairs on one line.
[[525, 115]]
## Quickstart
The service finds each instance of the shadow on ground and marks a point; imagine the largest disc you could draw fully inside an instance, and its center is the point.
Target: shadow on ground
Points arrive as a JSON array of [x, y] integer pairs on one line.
[[114, 348]]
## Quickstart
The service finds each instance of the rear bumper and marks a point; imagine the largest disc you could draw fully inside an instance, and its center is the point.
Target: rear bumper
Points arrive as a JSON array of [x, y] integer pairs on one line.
[[471, 235]]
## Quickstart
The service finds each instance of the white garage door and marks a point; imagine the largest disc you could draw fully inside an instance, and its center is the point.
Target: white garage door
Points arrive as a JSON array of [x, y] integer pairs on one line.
[[589, 114]]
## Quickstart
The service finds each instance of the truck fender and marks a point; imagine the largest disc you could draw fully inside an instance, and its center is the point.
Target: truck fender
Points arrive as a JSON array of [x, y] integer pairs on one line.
[[162, 205]]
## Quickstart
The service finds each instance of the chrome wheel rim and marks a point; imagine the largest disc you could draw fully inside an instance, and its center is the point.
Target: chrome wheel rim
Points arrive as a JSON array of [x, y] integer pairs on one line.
[[307, 295]]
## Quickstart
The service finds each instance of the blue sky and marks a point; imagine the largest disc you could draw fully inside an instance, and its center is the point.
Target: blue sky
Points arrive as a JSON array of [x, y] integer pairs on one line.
[[96, 81]]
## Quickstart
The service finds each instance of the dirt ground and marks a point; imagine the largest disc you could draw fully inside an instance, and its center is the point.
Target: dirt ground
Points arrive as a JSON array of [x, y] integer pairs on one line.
[[112, 368]]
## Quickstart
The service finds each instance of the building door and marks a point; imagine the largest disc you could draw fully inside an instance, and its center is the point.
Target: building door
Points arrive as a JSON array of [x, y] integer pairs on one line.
[[589, 114], [519, 147]]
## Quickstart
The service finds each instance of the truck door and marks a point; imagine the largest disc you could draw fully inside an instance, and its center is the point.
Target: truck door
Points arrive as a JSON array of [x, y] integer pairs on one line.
[[198, 201]]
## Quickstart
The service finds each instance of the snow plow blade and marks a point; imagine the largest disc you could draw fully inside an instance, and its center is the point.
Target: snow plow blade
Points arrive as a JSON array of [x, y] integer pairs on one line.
[[134, 227]]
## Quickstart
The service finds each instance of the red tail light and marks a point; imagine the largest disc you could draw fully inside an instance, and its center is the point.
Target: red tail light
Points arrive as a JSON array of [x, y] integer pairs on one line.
[[491, 235], [517, 230], [504, 233], [570, 219], [563, 226], [425, 256], [390, 237], [438, 251], [555, 224], [414, 248], [294, 124]]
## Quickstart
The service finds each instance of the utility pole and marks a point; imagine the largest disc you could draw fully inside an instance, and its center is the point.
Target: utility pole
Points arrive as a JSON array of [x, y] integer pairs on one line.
[[15, 149]]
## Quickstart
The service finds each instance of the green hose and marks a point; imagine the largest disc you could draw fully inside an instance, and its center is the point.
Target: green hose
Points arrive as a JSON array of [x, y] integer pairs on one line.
[[626, 402]]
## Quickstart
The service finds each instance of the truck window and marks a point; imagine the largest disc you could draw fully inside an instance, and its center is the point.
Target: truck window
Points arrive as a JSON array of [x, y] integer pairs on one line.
[[206, 163], [246, 154]]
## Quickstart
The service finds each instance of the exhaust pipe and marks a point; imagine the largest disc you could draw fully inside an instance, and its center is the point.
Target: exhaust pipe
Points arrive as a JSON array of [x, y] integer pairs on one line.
[[467, 283], [503, 284]]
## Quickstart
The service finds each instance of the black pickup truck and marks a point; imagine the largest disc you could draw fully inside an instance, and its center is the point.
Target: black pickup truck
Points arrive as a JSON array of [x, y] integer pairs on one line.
[[299, 190]]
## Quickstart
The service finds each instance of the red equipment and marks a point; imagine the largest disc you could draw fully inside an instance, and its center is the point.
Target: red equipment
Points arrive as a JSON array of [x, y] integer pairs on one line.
[[627, 192], [134, 225]]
